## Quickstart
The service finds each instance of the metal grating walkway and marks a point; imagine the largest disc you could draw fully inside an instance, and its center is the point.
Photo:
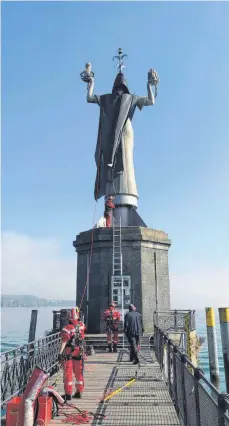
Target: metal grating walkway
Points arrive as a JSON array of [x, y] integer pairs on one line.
[[145, 402]]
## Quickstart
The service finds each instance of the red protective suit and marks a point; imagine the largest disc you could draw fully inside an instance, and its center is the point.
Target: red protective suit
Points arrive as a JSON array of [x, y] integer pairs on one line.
[[109, 206], [111, 318], [74, 349]]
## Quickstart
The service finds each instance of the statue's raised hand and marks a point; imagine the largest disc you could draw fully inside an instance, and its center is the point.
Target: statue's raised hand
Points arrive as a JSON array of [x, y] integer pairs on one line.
[[87, 75], [153, 78]]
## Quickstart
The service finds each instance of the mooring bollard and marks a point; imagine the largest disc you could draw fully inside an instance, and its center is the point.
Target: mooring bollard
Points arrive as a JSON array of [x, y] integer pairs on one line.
[[33, 326], [224, 329], [212, 347]]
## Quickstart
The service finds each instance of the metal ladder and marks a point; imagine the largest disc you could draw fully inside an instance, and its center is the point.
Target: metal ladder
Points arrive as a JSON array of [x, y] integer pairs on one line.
[[117, 249], [117, 260]]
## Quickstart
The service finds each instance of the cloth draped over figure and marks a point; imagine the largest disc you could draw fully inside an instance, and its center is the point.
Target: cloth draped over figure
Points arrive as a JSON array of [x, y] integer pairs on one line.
[[114, 149]]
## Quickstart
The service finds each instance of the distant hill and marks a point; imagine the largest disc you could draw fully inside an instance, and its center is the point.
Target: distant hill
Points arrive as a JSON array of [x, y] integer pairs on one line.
[[26, 300]]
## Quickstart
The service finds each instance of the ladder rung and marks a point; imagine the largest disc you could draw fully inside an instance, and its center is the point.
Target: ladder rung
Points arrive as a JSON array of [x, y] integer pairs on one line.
[[117, 253]]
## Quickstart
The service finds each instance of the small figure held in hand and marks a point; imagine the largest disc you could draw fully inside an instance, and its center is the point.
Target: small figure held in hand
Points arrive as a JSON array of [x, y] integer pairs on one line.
[[87, 75]]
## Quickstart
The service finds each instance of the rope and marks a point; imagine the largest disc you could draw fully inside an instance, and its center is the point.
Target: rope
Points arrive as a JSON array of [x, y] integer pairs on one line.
[[93, 225], [90, 259], [82, 417]]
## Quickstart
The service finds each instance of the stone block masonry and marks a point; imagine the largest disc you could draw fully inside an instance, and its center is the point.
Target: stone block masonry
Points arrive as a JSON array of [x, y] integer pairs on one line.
[[141, 247]]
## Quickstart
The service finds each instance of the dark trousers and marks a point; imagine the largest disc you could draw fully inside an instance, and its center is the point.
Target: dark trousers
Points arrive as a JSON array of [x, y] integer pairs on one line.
[[134, 342]]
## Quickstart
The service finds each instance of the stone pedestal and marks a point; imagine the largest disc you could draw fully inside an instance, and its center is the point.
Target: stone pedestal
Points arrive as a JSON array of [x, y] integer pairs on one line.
[[141, 247]]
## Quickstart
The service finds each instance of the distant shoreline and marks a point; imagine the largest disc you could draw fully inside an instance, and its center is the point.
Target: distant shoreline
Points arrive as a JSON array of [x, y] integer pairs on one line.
[[30, 301], [40, 306]]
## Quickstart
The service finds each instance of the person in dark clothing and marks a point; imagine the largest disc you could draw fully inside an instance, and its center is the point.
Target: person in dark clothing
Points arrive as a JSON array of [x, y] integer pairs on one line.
[[133, 328]]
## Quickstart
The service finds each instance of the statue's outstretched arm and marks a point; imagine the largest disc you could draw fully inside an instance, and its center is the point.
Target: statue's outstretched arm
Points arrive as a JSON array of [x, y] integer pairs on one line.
[[94, 99], [88, 77], [153, 80]]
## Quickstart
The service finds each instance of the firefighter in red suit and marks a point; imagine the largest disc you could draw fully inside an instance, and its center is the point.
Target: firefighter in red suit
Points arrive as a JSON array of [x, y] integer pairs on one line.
[[72, 354], [109, 206], [111, 318]]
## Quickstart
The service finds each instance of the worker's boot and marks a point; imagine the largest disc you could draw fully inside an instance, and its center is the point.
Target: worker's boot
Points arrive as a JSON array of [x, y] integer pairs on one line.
[[78, 394], [115, 348], [110, 347], [136, 361], [67, 397]]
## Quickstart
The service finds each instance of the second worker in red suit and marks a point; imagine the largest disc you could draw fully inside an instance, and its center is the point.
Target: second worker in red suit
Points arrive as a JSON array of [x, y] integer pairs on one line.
[[112, 318], [109, 206], [72, 354]]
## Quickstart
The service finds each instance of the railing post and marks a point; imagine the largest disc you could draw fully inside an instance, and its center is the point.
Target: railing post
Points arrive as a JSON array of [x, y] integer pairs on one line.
[[183, 362], [165, 358], [197, 377], [154, 319], [158, 343], [155, 340], [169, 366], [223, 405], [175, 398], [160, 347], [175, 320]]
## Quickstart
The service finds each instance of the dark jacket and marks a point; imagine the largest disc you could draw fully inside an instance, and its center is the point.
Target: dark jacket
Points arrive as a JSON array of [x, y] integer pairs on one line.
[[108, 208], [133, 325]]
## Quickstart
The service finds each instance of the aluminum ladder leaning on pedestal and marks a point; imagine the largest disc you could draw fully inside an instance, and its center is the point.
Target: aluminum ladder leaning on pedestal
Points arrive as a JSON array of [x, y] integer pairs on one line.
[[117, 262]]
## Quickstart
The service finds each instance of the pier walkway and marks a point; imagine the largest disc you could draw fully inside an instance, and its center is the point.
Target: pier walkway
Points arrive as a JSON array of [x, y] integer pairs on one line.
[[145, 402], [168, 385]]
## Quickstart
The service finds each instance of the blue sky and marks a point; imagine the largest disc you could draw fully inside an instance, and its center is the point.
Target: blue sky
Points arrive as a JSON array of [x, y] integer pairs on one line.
[[181, 144]]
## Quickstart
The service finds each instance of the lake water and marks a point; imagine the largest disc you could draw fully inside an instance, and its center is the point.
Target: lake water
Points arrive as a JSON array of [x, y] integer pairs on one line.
[[15, 330]]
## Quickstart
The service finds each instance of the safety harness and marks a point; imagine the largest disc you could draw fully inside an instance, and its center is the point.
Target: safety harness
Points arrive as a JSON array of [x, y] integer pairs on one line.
[[108, 209], [111, 322], [75, 341]]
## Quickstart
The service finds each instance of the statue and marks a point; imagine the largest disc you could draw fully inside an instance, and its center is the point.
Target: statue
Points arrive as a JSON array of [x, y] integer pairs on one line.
[[114, 150]]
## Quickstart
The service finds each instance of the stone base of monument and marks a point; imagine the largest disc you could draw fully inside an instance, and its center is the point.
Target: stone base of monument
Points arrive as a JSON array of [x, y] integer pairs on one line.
[[145, 272]]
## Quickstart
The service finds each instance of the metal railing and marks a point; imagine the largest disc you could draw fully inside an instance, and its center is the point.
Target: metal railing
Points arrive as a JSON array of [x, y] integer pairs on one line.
[[196, 400], [18, 364], [174, 320]]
